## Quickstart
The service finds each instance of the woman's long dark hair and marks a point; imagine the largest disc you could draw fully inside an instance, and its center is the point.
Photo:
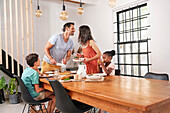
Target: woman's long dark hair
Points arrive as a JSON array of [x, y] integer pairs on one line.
[[84, 34]]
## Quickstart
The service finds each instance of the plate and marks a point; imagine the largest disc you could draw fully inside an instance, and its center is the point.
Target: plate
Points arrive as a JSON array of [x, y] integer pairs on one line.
[[60, 64], [79, 60], [100, 74], [73, 72], [93, 77], [78, 80], [64, 80], [98, 80], [46, 76], [49, 72]]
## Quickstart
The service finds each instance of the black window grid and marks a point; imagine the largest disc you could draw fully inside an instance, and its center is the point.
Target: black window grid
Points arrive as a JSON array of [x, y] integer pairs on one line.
[[132, 40]]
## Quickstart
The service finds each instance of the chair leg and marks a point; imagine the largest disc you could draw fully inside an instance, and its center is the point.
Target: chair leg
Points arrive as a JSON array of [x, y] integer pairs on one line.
[[24, 108], [45, 108], [40, 107], [32, 107]]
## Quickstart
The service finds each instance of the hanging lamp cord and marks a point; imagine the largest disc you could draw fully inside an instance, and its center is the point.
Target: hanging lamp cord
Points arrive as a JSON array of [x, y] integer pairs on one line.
[[80, 4], [38, 7], [63, 6]]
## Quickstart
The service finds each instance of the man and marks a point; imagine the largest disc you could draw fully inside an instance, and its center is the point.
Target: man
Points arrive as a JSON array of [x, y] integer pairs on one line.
[[58, 48]]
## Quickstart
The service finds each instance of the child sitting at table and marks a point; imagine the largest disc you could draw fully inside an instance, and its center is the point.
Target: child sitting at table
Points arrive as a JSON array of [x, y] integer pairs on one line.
[[106, 66], [30, 77]]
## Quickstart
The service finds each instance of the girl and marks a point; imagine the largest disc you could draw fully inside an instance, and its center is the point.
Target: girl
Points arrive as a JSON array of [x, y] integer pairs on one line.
[[106, 66], [91, 52]]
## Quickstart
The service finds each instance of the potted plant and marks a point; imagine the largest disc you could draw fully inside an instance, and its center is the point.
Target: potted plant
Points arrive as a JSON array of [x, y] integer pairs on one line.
[[3, 85], [12, 91]]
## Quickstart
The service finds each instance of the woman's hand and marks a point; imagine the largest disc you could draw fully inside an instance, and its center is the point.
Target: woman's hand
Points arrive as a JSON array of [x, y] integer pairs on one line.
[[86, 59], [79, 55]]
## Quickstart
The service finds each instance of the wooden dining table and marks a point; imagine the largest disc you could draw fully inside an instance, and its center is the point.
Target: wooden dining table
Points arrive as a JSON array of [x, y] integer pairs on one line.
[[120, 94]]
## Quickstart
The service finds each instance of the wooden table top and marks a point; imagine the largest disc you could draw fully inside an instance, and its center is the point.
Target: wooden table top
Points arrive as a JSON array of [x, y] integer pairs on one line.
[[138, 93]]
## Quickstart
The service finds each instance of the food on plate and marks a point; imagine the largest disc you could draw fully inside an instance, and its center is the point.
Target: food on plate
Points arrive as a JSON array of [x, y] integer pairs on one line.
[[67, 77], [90, 75], [93, 75], [78, 58], [65, 73]]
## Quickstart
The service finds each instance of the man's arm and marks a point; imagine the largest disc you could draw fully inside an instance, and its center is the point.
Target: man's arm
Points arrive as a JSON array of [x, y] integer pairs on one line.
[[47, 52], [67, 57], [37, 88]]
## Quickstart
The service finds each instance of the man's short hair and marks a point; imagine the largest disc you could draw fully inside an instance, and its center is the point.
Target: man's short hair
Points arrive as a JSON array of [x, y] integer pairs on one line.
[[67, 25], [31, 59]]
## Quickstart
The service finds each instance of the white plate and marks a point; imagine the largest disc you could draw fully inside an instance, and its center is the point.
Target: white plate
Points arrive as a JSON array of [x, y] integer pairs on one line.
[[64, 80], [79, 60], [100, 74], [60, 64], [49, 72], [73, 72], [76, 80], [98, 80], [93, 77], [46, 76]]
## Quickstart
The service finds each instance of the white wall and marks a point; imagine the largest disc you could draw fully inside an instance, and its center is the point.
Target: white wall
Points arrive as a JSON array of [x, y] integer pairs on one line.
[[99, 18], [160, 37]]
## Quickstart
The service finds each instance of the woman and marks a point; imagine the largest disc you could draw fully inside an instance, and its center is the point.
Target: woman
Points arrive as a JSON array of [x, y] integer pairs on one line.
[[91, 52]]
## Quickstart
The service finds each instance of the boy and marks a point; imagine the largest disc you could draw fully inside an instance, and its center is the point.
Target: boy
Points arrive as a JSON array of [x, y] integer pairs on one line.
[[30, 77]]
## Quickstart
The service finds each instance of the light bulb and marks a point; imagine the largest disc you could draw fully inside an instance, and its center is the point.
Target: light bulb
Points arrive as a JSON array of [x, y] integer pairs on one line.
[[112, 3], [80, 10], [63, 15], [38, 13]]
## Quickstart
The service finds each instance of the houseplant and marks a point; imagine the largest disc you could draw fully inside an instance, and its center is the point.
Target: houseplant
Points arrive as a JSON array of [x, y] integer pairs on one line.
[[12, 91], [3, 86]]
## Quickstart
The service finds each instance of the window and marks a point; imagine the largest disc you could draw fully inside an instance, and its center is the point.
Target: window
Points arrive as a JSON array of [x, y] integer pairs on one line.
[[132, 41]]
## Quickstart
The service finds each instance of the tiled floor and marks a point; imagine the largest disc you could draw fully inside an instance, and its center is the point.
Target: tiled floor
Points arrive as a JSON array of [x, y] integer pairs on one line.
[[6, 107]]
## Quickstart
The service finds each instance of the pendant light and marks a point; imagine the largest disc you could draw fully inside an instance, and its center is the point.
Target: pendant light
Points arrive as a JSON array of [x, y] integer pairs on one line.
[[63, 14], [112, 3], [38, 13], [80, 9]]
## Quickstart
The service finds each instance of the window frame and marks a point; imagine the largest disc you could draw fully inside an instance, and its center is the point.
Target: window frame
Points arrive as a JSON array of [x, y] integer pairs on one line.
[[132, 41]]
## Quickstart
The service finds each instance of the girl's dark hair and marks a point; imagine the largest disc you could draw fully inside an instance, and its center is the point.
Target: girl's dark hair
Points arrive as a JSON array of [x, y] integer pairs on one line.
[[110, 53], [84, 34], [31, 59]]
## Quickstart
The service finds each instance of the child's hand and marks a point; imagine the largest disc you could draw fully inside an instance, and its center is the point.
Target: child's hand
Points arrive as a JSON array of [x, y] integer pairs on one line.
[[100, 62]]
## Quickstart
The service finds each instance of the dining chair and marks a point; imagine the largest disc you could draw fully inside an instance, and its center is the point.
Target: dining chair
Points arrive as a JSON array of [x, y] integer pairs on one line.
[[28, 99], [157, 76], [117, 71], [64, 103]]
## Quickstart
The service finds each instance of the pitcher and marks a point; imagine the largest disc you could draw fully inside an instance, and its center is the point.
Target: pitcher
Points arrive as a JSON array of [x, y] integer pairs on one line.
[[82, 70]]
